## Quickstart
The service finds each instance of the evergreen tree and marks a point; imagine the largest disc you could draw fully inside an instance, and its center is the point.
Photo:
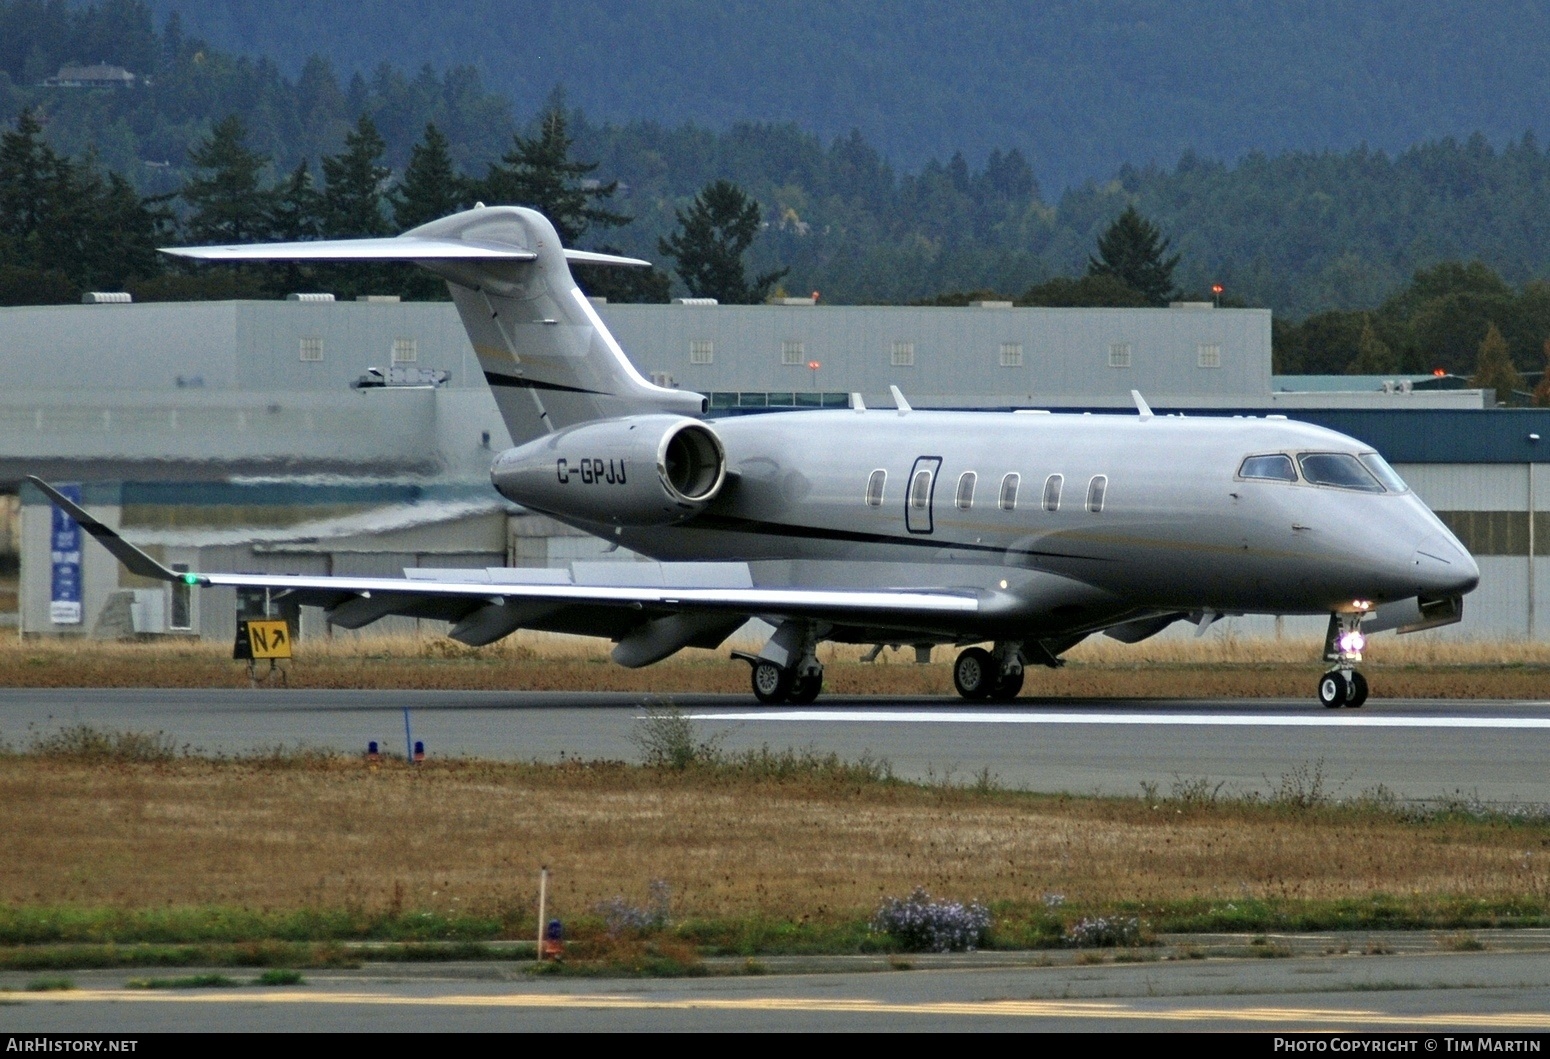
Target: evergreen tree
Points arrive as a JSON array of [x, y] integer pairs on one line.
[[294, 216], [1132, 249], [1542, 391], [709, 244], [353, 199], [539, 172], [227, 200], [29, 189], [1373, 356], [1495, 370], [431, 187], [1103, 291]]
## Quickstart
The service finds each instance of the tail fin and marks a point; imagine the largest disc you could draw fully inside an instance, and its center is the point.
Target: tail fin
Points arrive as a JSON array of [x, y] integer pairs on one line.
[[548, 357]]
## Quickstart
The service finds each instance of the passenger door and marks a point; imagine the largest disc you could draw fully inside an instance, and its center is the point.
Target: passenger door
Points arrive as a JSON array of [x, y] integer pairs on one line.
[[919, 493]]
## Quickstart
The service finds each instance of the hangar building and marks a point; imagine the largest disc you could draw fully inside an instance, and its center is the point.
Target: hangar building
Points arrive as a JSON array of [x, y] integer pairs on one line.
[[355, 437]]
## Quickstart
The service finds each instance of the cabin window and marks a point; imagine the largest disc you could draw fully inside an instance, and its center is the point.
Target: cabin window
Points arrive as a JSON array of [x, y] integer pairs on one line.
[[874, 488], [1338, 469], [1009, 492], [1095, 490], [1052, 486], [1275, 467], [920, 490], [965, 498], [1383, 472]]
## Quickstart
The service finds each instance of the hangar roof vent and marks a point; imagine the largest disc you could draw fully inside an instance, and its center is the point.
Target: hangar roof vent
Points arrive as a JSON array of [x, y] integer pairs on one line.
[[104, 297], [309, 297]]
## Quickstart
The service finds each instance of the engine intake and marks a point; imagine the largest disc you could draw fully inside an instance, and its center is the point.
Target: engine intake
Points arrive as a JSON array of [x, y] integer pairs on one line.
[[638, 471]]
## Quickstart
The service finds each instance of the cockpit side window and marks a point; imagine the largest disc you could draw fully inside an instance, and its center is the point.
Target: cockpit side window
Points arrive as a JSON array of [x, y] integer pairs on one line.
[[1275, 467], [1338, 469], [1383, 472]]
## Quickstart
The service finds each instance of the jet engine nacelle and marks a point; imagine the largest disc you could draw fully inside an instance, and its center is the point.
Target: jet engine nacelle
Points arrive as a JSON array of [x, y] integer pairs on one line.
[[647, 470]]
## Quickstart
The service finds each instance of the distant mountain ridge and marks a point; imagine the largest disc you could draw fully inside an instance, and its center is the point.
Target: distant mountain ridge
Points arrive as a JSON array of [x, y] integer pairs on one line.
[[1079, 88]]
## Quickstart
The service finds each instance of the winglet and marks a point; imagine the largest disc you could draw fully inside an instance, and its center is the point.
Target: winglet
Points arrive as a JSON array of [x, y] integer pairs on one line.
[[136, 561], [898, 400], [1141, 405]]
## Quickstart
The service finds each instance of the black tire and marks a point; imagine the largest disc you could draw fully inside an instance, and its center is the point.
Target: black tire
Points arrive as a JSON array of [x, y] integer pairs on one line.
[[1333, 689], [804, 690], [1008, 687], [1358, 691], [974, 674], [771, 683]]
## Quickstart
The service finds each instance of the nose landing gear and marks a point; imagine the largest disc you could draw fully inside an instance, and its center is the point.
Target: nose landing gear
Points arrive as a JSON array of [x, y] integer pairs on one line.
[[1343, 685]]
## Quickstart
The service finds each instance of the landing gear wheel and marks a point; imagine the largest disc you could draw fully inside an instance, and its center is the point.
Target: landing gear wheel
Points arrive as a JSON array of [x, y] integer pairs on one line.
[[1358, 691], [1334, 689], [771, 683], [974, 674], [805, 689], [1007, 687]]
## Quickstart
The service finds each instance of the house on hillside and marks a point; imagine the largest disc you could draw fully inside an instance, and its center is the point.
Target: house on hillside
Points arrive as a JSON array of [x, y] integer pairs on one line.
[[99, 76]]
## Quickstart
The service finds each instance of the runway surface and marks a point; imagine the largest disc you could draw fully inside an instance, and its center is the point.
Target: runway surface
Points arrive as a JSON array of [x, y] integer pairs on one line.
[[1494, 750], [1478, 994]]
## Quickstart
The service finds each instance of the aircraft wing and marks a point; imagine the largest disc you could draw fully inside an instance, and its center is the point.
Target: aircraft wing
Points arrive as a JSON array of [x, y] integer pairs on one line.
[[397, 248], [485, 605]]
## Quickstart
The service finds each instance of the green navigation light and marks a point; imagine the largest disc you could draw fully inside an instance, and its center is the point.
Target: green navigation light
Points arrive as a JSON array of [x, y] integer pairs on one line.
[[191, 579]]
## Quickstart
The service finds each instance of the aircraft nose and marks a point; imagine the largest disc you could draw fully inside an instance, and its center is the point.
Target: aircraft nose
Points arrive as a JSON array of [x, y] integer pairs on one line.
[[1442, 568]]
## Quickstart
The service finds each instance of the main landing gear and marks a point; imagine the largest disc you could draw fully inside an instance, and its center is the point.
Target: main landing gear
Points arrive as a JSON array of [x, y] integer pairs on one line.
[[787, 670], [1343, 685], [984, 676]]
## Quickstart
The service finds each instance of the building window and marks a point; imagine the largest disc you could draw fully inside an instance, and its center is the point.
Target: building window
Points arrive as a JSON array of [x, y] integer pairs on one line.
[[1052, 486], [1011, 354], [793, 353], [1095, 490], [903, 355], [965, 498], [312, 349], [1119, 355], [702, 352], [405, 350], [874, 488], [1009, 492], [1208, 356]]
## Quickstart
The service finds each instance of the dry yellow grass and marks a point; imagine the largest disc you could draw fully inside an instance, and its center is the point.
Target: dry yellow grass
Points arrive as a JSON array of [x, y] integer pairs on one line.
[[469, 837], [1418, 666]]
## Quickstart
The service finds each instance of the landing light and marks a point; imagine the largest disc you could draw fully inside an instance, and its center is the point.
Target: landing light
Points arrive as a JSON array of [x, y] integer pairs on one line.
[[1362, 605], [1352, 642]]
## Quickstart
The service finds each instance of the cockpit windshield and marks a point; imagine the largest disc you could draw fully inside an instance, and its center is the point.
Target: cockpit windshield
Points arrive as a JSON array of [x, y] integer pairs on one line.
[[1275, 467], [1339, 469], [1383, 472]]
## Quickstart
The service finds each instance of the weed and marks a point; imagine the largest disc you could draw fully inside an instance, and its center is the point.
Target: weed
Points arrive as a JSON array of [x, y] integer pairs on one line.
[[85, 743], [192, 981], [1089, 958], [1461, 942], [666, 739], [1104, 932], [49, 985], [1196, 793], [622, 917], [899, 963], [920, 924], [277, 976], [752, 966], [1378, 948], [1302, 789]]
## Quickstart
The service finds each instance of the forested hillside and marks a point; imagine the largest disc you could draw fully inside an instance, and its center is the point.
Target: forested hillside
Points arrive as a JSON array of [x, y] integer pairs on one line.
[[1079, 87], [1300, 231]]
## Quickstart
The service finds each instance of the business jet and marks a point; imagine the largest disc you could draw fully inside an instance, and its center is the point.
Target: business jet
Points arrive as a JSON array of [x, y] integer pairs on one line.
[[877, 526]]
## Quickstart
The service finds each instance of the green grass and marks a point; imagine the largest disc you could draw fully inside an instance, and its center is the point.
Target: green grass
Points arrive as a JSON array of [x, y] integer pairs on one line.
[[279, 976], [192, 981], [49, 985]]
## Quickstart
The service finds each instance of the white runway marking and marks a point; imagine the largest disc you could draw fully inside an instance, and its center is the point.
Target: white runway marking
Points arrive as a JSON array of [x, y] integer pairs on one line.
[[1341, 719]]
